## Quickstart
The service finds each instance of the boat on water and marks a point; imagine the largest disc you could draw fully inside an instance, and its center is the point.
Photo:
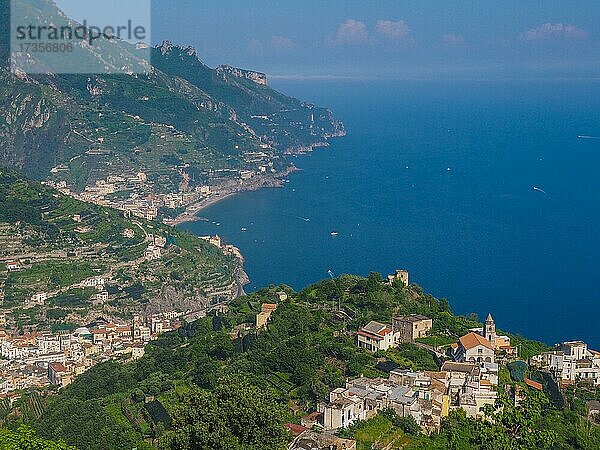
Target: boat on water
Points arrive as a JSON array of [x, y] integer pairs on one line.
[[244, 229], [334, 233]]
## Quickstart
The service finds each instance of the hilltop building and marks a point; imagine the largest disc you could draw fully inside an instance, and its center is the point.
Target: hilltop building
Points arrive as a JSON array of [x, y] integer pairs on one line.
[[400, 275], [482, 344], [473, 348]]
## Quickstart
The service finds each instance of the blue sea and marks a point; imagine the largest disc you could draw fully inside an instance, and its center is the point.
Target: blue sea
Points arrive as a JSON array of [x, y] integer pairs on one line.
[[483, 190]]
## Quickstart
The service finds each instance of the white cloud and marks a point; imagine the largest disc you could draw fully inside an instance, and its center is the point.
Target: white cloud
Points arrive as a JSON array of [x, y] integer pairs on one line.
[[281, 43], [549, 31], [351, 32], [397, 31], [453, 39]]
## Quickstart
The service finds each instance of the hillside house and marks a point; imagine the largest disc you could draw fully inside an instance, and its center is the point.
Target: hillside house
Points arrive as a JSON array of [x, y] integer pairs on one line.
[[13, 266], [471, 386], [58, 375], [571, 361], [411, 327], [376, 336], [262, 318]]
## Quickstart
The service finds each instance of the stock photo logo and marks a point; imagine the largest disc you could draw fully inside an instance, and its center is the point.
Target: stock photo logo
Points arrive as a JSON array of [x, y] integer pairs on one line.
[[80, 36]]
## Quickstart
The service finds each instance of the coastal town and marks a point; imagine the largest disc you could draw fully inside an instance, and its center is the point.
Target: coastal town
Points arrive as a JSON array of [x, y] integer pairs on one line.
[[467, 377], [38, 359], [49, 337], [43, 359], [137, 195]]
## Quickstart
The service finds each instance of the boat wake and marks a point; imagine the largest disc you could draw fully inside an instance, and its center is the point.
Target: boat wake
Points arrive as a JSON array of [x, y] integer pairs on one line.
[[535, 188], [588, 137]]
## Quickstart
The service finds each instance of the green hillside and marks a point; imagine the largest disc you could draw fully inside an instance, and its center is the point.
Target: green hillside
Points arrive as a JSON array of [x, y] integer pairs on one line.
[[208, 386], [60, 242]]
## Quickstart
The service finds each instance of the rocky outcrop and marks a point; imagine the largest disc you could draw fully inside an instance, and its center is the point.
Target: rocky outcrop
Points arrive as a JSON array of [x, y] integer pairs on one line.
[[257, 77]]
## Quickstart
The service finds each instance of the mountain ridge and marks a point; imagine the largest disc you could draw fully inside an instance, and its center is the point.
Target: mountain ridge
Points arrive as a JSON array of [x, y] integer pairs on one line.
[[180, 117]]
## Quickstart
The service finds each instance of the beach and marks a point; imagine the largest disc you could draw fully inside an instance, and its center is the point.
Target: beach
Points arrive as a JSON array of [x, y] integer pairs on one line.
[[231, 187]]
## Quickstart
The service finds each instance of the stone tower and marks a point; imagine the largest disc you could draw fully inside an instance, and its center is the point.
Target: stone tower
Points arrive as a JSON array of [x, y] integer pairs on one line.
[[402, 275], [489, 330], [135, 328]]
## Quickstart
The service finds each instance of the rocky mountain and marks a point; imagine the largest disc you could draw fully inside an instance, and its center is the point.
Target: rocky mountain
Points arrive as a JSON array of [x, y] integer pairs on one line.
[[181, 120]]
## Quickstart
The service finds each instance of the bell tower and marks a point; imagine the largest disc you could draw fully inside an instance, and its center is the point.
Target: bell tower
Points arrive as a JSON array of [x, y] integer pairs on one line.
[[135, 328], [489, 330]]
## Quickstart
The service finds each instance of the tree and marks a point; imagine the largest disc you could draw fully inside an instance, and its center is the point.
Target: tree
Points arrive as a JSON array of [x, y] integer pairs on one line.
[[407, 424], [235, 415], [26, 439]]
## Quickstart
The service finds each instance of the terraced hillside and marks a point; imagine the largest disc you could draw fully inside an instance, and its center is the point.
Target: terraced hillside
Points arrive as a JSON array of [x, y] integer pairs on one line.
[[62, 260]]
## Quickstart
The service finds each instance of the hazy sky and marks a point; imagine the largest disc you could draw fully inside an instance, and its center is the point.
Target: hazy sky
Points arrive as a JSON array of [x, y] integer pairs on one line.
[[389, 38]]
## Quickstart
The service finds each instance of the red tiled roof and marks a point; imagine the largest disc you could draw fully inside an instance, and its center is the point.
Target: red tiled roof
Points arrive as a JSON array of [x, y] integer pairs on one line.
[[385, 331], [534, 384], [296, 429], [472, 340], [57, 367], [364, 333]]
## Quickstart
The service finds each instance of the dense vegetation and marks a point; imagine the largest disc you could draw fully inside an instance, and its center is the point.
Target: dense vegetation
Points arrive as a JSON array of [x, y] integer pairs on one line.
[[24, 438]]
